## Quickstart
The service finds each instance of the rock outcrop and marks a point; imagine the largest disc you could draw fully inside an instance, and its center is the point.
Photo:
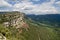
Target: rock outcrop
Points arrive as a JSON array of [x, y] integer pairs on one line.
[[13, 19], [2, 37]]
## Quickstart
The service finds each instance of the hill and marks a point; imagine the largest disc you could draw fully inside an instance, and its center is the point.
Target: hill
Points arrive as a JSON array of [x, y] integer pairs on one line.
[[49, 19], [28, 29]]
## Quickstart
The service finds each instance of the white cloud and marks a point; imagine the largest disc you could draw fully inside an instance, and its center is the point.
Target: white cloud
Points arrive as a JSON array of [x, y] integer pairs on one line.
[[4, 3], [29, 7], [36, 0], [5, 6], [52, 1], [58, 3]]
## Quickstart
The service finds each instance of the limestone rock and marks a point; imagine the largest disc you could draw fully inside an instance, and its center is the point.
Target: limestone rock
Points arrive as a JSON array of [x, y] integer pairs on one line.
[[2, 37]]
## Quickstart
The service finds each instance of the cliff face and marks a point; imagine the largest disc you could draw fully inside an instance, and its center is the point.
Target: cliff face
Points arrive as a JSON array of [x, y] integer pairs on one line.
[[12, 19]]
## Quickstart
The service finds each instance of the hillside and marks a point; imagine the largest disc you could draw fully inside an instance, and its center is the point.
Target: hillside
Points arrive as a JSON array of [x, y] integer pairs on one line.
[[49, 19], [26, 29]]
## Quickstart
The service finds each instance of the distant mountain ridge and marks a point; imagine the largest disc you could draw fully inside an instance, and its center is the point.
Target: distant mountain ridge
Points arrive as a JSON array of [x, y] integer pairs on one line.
[[48, 18]]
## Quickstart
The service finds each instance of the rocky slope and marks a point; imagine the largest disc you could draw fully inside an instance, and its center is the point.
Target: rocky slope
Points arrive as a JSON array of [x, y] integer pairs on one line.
[[16, 26], [12, 19]]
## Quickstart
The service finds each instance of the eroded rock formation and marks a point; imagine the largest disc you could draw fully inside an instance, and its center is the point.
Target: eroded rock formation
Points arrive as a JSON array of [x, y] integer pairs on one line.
[[13, 19]]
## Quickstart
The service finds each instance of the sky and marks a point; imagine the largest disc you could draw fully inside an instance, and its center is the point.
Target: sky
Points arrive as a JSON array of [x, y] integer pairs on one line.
[[31, 6]]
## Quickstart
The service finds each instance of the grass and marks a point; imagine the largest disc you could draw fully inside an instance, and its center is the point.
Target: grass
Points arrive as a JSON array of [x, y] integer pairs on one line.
[[35, 32]]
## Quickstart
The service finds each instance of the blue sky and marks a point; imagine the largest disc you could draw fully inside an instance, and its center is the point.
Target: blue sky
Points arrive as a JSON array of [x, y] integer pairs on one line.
[[31, 6]]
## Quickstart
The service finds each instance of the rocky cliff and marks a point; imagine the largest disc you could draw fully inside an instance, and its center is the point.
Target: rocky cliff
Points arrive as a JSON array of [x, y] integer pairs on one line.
[[13, 19], [17, 26]]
